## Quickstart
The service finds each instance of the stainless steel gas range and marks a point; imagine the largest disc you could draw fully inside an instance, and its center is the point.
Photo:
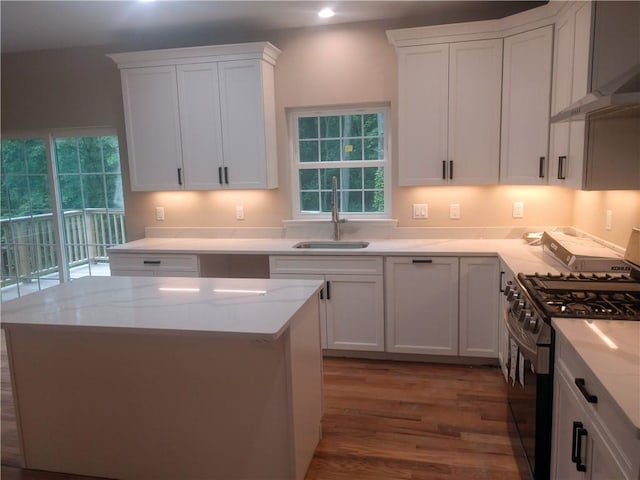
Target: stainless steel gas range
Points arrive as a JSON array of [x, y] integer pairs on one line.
[[532, 301]]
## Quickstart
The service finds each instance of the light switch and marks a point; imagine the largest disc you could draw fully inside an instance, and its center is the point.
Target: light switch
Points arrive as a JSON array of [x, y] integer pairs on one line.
[[454, 211], [239, 212], [608, 220], [420, 210], [518, 209], [160, 214]]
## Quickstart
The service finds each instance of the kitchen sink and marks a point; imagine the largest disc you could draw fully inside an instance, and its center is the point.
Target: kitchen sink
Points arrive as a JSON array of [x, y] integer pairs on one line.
[[332, 244]]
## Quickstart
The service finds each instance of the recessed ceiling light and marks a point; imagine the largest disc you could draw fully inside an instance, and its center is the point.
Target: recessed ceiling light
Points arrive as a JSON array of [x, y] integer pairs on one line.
[[326, 13]]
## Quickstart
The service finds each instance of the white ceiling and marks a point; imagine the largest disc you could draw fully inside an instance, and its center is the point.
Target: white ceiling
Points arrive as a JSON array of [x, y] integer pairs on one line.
[[37, 25]]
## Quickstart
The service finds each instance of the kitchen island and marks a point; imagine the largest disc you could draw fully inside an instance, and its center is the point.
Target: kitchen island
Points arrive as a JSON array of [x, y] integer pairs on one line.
[[153, 378]]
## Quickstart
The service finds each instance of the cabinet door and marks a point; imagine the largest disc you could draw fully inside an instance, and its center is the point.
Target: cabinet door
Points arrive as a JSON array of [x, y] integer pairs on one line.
[[152, 120], [475, 91], [243, 124], [566, 411], [571, 76], [422, 305], [423, 106], [526, 92], [355, 312], [479, 306], [200, 125]]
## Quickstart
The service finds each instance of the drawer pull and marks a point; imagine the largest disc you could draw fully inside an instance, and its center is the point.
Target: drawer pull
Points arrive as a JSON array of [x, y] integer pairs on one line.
[[576, 445], [580, 383], [421, 260], [152, 262]]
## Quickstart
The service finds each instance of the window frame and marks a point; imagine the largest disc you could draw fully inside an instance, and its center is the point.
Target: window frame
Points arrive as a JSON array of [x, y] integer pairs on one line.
[[296, 165]]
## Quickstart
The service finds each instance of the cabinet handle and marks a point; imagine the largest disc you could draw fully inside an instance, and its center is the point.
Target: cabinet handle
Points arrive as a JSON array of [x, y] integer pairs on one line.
[[328, 290], [444, 169], [576, 445], [421, 260], [226, 175], [580, 383], [179, 176], [500, 287], [450, 169], [151, 262], [541, 167], [562, 160], [220, 175], [322, 293]]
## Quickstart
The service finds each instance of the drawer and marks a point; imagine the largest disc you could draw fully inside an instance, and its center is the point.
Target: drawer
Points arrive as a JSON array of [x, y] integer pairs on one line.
[[604, 412], [336, 265], [154, 263]]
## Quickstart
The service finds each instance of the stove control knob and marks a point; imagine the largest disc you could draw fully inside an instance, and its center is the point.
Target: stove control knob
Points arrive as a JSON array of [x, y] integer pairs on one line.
[[532, 324], [508, 289], [513, 295], [525, 316], [517, 307]]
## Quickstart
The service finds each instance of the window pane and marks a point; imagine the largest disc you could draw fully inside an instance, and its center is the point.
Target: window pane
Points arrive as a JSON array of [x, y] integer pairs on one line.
[[310, 201], [352, 149], [351, 202], [308, 150], [330, 150], [326, 175], [111, 154], [94, 191], [374, 148], [373, 177], [13, 157], [352, 125], [70, 191], [18, 193], [115, 198], [330, 127], [90, 154], [40, 194], [373, 124], [309, 179], [308, 127], [36, 153], [67, 155], [374, 201], [351, 178], [325, 201]]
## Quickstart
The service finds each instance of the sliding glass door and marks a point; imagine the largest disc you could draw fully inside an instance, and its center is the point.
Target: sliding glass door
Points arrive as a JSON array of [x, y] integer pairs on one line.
[[61, 207]]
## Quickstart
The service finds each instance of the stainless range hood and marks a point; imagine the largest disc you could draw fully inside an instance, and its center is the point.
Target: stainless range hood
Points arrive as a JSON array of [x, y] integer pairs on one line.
[[617, 96], [614, 75]]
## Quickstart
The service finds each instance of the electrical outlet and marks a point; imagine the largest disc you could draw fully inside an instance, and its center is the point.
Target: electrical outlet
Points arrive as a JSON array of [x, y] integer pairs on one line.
[[454, 211], [160, 214], [608, 220], [518, 209], [239, 212], [420, 210]]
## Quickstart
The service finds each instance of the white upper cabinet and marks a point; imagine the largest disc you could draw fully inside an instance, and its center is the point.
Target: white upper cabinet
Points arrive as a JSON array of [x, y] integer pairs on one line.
[[449, 113], [526, 95], [153, 127], [570, 83], [200, 118]]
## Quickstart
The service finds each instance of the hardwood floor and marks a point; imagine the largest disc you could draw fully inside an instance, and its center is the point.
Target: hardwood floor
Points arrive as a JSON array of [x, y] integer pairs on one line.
[[383, 420]]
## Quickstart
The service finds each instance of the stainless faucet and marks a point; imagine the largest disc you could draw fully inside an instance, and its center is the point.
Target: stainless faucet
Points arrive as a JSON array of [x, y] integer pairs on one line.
[[335, 215]]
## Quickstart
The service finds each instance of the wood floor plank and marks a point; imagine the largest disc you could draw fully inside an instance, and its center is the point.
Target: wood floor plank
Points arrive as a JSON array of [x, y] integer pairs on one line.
[[383, 420]]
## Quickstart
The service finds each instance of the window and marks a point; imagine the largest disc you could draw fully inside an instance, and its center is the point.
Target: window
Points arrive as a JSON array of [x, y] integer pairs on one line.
[[349, 144], [62, 206]]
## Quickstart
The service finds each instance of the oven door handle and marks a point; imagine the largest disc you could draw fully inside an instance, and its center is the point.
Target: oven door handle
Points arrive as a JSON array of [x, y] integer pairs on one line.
[[539, 357]]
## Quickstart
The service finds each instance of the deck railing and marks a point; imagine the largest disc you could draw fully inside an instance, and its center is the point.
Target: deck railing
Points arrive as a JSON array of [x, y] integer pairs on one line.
[[29, 243]]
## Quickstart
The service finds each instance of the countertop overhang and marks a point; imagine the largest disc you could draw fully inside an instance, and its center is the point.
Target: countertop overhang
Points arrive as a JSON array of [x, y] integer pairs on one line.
[[253, 308]]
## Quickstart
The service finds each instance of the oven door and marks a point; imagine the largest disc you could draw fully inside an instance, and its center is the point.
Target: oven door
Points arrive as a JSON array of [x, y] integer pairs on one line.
[[529, 398]]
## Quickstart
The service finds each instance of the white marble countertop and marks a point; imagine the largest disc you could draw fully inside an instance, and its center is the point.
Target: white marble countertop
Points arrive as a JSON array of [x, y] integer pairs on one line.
[[516, 253], [255, 308], [617, 369]]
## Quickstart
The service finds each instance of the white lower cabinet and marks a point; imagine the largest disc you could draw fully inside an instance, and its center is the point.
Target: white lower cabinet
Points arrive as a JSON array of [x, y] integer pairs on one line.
[[422, 305], [351, 302], [591, 439], [442, 305]]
